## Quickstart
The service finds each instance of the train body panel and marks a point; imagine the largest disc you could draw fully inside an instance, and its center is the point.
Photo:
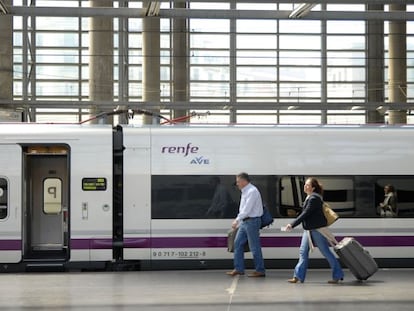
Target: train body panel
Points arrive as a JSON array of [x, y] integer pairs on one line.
[[85, 194], [137, 194], [91, 195], [10, 203], [283, 150]]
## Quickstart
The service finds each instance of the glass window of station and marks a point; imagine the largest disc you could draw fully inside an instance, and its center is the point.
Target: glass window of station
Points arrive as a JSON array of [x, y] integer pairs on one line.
[[255, 61]]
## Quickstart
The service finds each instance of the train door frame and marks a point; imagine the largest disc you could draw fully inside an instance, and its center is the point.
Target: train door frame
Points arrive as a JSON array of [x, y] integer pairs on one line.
[[11, 194], [46, 202]]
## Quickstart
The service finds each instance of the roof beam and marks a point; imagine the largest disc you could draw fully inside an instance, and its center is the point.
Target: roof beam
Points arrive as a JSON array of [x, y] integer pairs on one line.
[[307, 1], [268, 14], [110, 105], [76, 11], [209, 14]]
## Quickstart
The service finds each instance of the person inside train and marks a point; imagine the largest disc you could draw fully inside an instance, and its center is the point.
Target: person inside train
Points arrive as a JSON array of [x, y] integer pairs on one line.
[[388, 208], [248, 222], [312, 218]]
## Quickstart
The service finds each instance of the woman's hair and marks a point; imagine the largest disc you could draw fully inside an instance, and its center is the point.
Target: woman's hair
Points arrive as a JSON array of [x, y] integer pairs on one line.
[[315, 184]]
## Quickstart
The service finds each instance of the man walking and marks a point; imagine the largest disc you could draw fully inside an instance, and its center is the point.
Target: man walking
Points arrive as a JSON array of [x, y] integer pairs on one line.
[[248, 221]]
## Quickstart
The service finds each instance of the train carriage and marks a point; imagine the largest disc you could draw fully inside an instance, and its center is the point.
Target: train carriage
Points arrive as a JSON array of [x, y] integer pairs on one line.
[[56, 194], [93, 196]]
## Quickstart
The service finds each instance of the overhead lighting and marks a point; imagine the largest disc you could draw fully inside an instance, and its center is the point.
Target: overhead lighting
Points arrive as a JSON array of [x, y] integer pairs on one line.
[[382, 110], [153, 8], [301, 10], [3, 8], [357, 108]]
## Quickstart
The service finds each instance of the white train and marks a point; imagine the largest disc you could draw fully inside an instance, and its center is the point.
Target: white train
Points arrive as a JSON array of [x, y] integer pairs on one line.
[[83, 196]]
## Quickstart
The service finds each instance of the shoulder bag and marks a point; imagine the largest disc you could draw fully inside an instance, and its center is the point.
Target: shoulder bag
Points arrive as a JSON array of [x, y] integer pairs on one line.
[[266, 218], [329, 213]]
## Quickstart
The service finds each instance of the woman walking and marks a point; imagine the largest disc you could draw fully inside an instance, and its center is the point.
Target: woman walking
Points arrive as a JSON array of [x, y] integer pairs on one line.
[[312, 218]]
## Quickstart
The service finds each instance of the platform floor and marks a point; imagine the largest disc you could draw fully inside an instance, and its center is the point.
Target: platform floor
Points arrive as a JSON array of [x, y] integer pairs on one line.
[[204, 291]]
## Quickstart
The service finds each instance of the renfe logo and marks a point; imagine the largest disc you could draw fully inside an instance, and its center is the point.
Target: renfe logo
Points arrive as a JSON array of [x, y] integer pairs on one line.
[[184, 150]]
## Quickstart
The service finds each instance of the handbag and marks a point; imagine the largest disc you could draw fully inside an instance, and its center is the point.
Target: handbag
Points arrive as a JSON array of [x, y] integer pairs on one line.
[[266, 218], [329, 213], [231, 236]]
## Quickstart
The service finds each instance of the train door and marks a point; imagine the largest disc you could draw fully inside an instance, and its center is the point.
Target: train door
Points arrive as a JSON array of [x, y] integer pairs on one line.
[[46, 203]]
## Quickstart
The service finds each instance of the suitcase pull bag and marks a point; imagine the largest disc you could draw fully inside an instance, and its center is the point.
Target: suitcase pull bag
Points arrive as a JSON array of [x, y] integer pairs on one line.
[[353, 255], [356, 258]]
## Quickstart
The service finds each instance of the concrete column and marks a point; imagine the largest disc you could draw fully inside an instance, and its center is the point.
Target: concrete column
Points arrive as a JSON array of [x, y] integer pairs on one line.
[[397, 67], [123, 62], [151, 61], [6, 57], [180, 89], [101, 66], [233, 67], [375, 64], [324, 71]]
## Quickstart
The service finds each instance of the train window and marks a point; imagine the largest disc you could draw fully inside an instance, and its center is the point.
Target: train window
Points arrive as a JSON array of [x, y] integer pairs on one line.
[[202, 197], [52, 196], [208, 196], [3, 198], [181, 197], [338, 192], [403, 191], [351, 196]]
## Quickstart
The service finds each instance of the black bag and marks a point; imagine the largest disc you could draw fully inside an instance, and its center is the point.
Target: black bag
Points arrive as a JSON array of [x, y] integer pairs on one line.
[[231, 236], [267, 218]]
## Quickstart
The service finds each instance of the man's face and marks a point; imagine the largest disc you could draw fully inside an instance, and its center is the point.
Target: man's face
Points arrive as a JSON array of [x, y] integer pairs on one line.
[[241, 183]]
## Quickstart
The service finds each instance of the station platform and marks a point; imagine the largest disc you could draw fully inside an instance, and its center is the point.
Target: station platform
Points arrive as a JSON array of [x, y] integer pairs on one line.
[[204, 290]]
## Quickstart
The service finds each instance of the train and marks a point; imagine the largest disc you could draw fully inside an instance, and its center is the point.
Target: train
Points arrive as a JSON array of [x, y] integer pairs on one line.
[[83, 196]]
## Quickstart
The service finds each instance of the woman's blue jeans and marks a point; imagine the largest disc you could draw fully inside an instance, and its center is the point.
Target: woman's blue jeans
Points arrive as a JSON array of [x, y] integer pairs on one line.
[[249, 231], [322, 243]]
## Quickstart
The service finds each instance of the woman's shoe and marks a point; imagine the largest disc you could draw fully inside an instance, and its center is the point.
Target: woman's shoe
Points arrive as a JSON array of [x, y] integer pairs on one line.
[[335, 281], [294, 280]]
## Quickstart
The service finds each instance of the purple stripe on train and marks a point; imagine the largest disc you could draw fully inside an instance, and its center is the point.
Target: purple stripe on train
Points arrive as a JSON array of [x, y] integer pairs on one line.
[[10, 245], [218, 242], [207, 242], [107, 243], [221, 242]]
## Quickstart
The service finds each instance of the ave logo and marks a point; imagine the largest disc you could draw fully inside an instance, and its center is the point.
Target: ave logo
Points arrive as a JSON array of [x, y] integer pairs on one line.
[[200, 161], [184, 151]]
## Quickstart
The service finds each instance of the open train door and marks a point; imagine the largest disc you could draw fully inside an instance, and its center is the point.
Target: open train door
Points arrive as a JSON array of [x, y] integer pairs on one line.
[[46, 212], [10, 203]]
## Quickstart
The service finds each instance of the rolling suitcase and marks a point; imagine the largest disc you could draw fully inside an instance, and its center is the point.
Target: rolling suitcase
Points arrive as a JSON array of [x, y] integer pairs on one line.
[[356, 258]]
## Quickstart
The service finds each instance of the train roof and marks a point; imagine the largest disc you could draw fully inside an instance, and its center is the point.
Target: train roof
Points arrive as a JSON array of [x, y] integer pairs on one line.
[[39, 128]]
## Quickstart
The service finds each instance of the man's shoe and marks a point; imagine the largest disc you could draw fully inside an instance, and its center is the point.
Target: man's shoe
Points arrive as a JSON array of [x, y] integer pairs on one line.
[[294, 280], [234, 273], [256, 274]]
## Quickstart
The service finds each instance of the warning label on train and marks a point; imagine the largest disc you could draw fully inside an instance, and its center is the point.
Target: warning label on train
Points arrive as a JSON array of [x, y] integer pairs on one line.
[[94, 184]]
